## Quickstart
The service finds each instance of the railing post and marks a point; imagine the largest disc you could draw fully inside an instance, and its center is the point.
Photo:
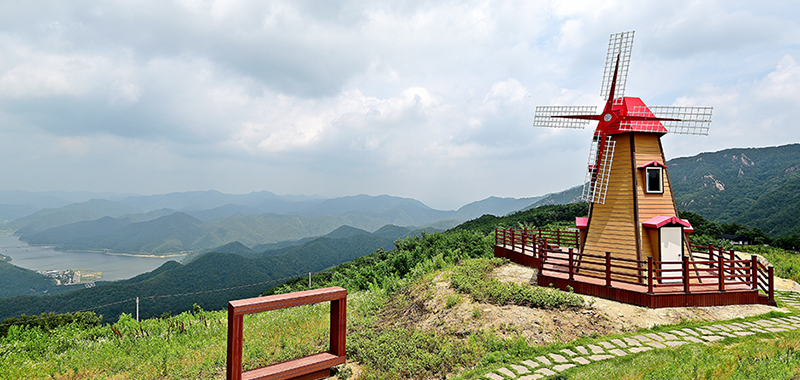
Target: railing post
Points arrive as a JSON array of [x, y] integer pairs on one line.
[[754, 270], [686, 274], [733, 255], [650, 274], [608, 269], [721, 270], [571, 277], [558, 237], [512, 239], [495, 236], [771, 272]]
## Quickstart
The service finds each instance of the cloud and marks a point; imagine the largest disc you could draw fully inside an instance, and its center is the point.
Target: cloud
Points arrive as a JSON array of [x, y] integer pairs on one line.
[[424, 99]]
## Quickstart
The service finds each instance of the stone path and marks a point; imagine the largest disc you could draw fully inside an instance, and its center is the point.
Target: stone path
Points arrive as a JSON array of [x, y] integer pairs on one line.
[[555, 362]]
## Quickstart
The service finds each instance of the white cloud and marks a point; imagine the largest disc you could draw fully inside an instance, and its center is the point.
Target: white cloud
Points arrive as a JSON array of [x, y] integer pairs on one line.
[[424, 99]]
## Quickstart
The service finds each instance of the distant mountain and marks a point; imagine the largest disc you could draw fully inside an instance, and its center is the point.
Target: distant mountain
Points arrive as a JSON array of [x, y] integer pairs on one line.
[[568, 196], [493, 206], [757, 187], [77, 212], [211, 271]]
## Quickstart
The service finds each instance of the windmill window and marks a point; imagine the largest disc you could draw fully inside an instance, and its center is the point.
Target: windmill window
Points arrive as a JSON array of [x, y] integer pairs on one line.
[[654, 180]]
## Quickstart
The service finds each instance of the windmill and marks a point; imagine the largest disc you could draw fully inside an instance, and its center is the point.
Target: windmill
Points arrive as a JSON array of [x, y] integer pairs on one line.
[[632, 211]]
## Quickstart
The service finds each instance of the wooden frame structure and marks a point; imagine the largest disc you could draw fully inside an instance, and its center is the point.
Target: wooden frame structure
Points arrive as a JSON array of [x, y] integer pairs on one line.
[[706, 277], [312, 367]]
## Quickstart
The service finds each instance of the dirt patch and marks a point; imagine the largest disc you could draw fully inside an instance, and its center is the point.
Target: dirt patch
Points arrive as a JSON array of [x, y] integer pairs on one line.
[[437, 306]]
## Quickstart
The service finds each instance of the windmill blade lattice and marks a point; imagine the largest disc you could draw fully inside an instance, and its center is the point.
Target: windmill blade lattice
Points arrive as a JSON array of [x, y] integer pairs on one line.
[[547, 116], [685, 120], [595, 185], [618, 44]]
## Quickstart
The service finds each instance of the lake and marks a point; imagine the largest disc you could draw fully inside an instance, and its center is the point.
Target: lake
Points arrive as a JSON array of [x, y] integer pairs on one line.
[[45, 258]]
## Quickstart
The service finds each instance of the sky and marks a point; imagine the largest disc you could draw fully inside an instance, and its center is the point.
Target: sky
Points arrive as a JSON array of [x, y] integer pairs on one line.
[[432, 100]]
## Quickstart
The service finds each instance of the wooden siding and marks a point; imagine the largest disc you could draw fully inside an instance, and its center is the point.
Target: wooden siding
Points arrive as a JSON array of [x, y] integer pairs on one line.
[[648, 148], [611, 225]]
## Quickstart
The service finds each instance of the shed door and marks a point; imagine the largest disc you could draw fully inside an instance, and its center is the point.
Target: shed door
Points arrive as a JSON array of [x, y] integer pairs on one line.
[[671, 239]]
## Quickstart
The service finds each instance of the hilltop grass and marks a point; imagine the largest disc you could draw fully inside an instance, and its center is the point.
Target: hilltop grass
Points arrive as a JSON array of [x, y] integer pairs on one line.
[[764, 357], [472, 277], [185, 346]]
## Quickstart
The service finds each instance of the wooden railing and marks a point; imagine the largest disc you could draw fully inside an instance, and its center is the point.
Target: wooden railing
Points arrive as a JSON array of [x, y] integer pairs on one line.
[[525, 238], [704, 267]]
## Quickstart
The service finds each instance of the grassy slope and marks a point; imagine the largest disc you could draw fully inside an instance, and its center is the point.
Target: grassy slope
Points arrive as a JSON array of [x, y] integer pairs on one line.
[[192, 346]]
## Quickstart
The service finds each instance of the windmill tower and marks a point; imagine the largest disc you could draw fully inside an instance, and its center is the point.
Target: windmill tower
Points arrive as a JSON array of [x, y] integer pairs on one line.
[[632, 211]]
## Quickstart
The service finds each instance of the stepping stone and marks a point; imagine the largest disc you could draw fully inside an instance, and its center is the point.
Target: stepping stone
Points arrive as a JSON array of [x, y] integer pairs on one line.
[[690, 331], [582, 350], [668, 336], [581, 360], [709, 328], [530, 363], [735, 327], [641, 338], [558, 358], [743, 333], [546, 371], [607, 345], [758, 330], [693, 339], [640, 349], [705, 332], [520, 369], [596, 349], [507, 372], [726, 334], [675, 343], [618, 352], [598, 358], [656, 345], [561, 367], [544, 360], [722, 328], [678, 332], [493, 376], [569, 352], [763, 323], [632, 342], [712, 338], [532, 377], [619, 343], [776, 329]]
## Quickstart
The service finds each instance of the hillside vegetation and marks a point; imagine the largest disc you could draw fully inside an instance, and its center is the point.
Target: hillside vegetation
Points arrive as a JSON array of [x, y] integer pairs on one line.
[[383, 287], [757, 187]]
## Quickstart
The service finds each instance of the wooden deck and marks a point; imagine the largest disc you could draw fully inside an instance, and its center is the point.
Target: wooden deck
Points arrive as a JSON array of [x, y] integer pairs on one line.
[[634, 283]]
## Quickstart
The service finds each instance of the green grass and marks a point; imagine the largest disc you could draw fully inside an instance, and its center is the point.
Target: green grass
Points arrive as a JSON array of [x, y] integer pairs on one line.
[[472, 277], [787, 264], [762, 357]]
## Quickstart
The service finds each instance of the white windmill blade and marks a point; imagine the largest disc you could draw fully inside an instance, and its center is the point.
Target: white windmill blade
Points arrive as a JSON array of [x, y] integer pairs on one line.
[[595, 185], [544, 116], [618, 44], [691, 120]]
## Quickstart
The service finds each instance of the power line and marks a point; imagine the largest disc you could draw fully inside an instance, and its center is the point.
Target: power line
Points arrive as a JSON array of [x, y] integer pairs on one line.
[[155, 297]]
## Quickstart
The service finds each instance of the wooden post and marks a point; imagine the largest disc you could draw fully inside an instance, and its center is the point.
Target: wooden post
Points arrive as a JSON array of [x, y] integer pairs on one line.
[[650, 274], [686, 274], [608, 269], [571, 277], [233, 366], [733, 255], [558, 237], [754, 270], [721, 271], [496, 236], [512, 239], [771, 272]]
